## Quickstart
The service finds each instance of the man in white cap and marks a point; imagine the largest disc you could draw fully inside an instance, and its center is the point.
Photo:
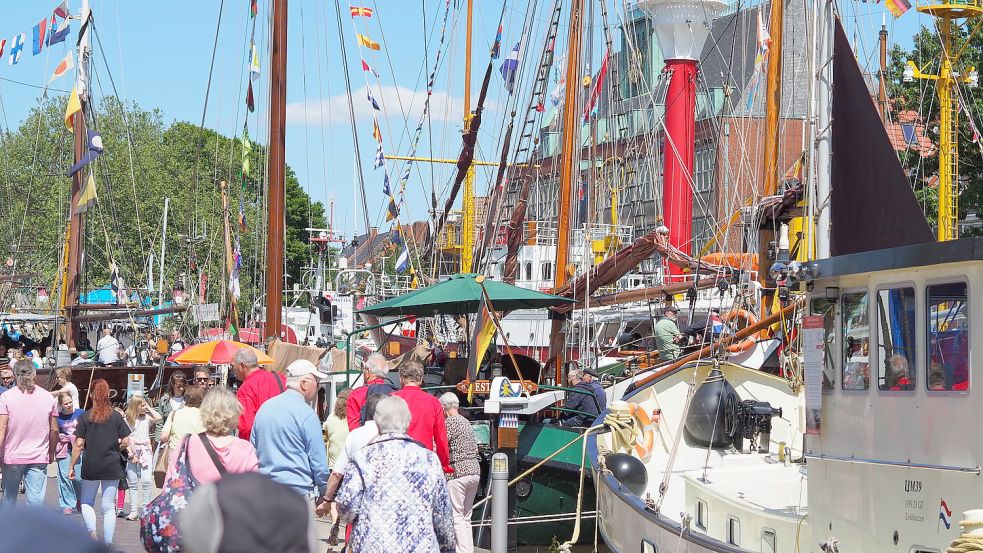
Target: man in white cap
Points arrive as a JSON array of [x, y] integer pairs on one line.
[[287, 434]]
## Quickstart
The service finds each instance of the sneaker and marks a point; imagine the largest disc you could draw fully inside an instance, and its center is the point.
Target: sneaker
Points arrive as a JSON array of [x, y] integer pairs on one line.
[[68, 511], [132, 516]]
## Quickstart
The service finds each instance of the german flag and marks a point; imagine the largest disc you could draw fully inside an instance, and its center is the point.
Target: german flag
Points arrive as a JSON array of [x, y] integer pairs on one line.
[[373, 45], [361, 12], [898, 7]]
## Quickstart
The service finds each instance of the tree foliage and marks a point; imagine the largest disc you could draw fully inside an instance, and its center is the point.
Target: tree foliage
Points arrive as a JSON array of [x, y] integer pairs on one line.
[[145, 161]]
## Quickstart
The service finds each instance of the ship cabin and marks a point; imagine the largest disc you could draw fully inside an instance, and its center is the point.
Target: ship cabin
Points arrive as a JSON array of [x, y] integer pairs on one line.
[[895, 460]]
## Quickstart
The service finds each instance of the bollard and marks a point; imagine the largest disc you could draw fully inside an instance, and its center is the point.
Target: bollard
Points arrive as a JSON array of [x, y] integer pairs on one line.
[[500, 503]]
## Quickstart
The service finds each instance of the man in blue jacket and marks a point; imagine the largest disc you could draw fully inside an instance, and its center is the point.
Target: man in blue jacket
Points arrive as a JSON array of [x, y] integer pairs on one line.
[[583, 403]]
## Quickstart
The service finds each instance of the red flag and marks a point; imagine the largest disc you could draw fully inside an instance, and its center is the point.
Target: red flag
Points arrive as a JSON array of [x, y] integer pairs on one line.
[[253, 8], [250, 102], [363, 12], [367, 67], [589, 106]]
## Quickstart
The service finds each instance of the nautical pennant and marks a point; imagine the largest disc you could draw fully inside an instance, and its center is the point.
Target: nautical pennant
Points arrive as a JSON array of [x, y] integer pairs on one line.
[[497, 46], [897, 7], [367, 67], [396, 236], [385, 185], [247, 150], [510, 68], [57, 32], [368, 94], [367, 42], [392, 212], [243, 227], [376, 133], [39, 34], [403, 261], [116, 283], [61, 10], [16, 48], [234, 289], [253, 62], [87, 197], [380, 157], [74, 106], [94, 150], [253, 8], [3, 44], [250, 102], [63, 67], [598, 83], [361, 12]]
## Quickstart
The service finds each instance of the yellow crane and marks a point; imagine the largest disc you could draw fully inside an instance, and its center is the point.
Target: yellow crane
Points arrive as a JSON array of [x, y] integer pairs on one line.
[[947, 79]]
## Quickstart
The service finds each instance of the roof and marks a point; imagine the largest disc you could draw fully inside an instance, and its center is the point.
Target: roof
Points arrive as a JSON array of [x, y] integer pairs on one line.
[[907, 132], [365, 247], [903, 257]]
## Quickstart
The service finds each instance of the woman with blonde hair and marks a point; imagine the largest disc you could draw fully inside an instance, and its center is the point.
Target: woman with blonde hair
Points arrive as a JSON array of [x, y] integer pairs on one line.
[[216, 451], [140, 463]]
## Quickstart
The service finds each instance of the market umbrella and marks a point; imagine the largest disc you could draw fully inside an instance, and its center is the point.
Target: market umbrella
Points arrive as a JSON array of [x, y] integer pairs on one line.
[[218, 352], [462, 294]]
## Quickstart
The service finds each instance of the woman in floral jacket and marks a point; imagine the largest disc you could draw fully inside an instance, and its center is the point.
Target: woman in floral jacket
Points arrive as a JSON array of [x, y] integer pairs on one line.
[[394, 490]]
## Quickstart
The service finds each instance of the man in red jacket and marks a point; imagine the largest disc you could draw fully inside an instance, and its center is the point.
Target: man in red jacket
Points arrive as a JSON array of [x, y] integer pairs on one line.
[[257, 386], [374, 372], [426, 413]]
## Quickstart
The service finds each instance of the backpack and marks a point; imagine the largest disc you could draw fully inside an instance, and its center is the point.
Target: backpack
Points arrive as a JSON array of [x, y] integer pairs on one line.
[[385, 388]]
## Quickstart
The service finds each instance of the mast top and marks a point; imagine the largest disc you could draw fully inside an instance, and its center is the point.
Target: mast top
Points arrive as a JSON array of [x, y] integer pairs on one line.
[[682, 26]]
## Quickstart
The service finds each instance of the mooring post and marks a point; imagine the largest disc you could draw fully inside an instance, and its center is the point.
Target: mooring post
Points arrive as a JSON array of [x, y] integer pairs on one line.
[[500, 503]]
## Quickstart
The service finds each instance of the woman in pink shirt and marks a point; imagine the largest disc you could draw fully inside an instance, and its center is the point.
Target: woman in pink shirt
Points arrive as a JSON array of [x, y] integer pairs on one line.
[[220, 411]]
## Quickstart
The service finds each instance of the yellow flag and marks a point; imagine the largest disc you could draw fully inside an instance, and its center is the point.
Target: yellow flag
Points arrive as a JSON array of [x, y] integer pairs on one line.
[[485, 336], [74, 106], [87, 196], [367, 42]]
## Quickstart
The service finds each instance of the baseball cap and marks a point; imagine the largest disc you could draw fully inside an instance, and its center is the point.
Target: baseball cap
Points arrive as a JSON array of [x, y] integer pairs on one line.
[[303, 367], [590, 371], [247, 512]]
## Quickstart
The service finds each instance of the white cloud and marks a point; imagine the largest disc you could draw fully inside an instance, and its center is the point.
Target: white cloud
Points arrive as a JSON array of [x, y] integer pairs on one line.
[[397, 102]]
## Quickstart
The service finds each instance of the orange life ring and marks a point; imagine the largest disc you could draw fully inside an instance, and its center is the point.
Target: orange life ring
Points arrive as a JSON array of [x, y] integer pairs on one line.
[[749, 319], [646, 440]]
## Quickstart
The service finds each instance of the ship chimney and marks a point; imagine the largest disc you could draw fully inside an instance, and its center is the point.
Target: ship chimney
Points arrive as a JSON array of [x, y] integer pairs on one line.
[[682, 27]]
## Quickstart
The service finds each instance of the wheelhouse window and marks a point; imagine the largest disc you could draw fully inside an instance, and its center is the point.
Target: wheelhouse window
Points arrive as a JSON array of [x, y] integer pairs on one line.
[[733, 531], [896, 339], [855, 327], [827, 309], [701, 514], [948, 336]]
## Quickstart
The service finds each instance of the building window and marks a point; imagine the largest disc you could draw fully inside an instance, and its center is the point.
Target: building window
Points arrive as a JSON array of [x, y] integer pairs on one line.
[[701, 515], [910, 138], [948, 336], [896, 339], [547, 271], [528, 270], [827, 309], [733, 531], [855, 330], [769, 541]]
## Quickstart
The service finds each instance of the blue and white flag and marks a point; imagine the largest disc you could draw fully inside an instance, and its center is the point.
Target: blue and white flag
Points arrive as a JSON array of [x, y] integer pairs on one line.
[[385, 185], [375, 105], [116, 283], [16, 48], [403, 261], [94, 151], [380, 158], [510, 68]]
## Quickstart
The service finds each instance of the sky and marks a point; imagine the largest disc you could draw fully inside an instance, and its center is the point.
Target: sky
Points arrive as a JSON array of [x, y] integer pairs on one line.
[[159, 54]]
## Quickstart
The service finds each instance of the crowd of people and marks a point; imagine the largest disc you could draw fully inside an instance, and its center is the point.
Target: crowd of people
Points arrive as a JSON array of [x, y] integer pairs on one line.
[[395, 466]]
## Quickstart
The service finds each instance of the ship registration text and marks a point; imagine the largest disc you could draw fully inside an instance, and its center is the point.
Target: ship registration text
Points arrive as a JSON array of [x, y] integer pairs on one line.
[[914, 506]]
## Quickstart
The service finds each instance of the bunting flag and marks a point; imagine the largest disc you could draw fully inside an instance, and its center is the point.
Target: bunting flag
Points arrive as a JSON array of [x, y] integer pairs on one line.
[[253, 62], [376, 133], [39, 35], [87, 197], [764, 43], [116, 283], [234, 289], [74, 106], [361, 12], [367, 42], [485, 334], [414, 282], [16, 48], [897, 7], [795, 171], [368, 94], [385, 185], [367, 67], [396, 236], [250, 101], [403, 261], [247, 150], [392, 212], [380, 157], [510, 68], [3, 44], [596, 91], [496, 50], [243, 228], [63, 67], [93, 151], [58, 32], [61, 10], [253, 8]]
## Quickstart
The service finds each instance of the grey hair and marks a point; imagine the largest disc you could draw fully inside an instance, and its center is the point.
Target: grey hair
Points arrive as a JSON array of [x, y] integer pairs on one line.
[[449, 400], [377, 365], [25, 371], [392, 415], [294, 382], [247, 357], [412, 371], [575, 373]]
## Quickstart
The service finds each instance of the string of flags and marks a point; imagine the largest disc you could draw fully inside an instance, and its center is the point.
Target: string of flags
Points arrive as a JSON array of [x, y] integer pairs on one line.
[[47, 32], [764, 43], [897, 7]]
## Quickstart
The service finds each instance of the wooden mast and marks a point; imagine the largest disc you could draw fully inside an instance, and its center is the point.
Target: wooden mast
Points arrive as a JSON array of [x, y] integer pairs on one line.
[[76, 224], [773, 97], [467, 201], [275, 199], [568, 172]]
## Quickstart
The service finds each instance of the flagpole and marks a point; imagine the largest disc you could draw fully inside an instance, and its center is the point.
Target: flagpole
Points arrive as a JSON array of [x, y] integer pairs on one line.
[[76, 225], [467, 201], [275, 220]]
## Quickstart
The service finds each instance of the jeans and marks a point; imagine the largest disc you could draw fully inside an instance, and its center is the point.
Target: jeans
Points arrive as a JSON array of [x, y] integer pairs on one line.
[[69, 490], [35, 482], [89, 489], [462, 491], [140, 481]]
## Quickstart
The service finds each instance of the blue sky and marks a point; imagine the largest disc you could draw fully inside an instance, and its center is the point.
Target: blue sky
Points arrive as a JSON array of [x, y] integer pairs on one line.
[[158, 54]]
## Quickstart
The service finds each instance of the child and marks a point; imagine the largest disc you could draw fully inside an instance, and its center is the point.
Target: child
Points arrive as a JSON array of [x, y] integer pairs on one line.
[[68, 489], [139, 468]]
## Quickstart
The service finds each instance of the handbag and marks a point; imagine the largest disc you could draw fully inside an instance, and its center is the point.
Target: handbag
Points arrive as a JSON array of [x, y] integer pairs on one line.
[[160, 464], [158, 530]]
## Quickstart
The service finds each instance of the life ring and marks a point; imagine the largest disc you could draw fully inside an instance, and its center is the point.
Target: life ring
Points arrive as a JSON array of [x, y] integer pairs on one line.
[[646, 440], [749, 320]]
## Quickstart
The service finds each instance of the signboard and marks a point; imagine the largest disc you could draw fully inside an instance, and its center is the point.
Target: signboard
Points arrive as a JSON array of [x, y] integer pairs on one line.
[[483, 387], [343, 310], [813, 342], [134, 385], [207, 312]]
